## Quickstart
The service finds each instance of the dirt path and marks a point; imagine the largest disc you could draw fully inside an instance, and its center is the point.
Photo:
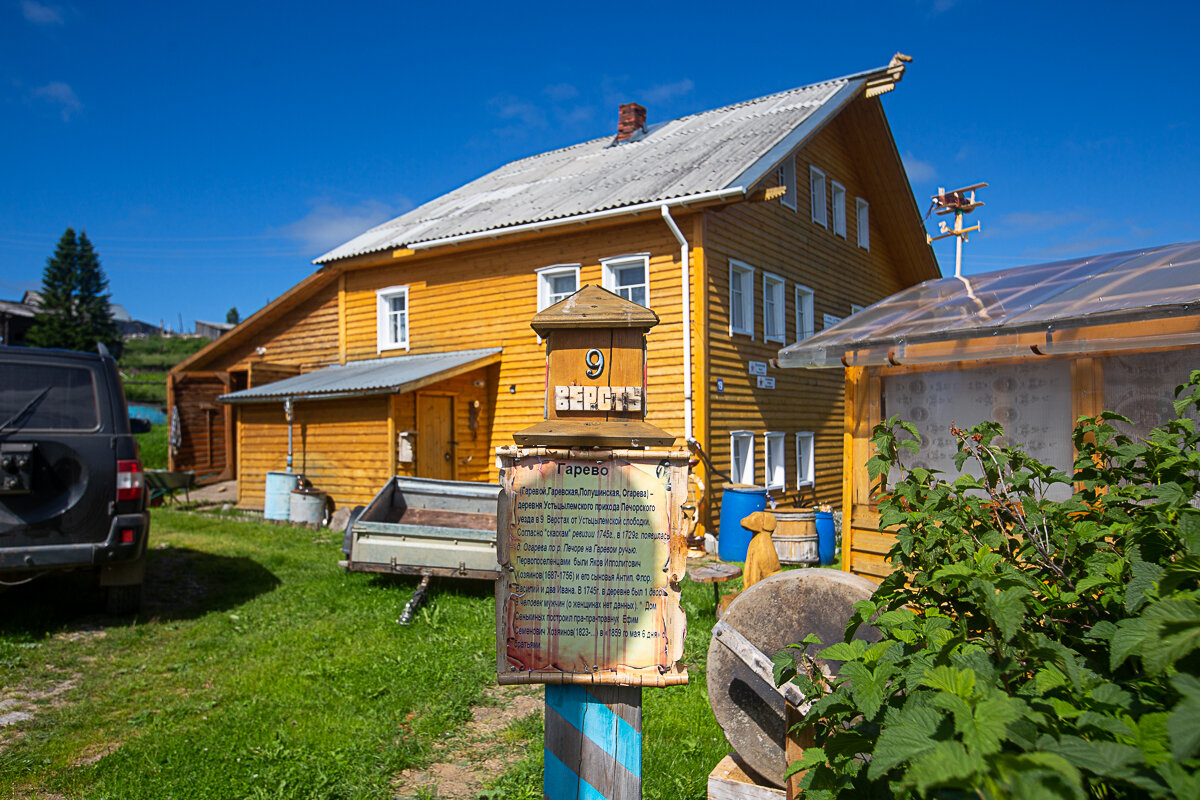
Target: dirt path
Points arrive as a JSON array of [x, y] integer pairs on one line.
[[20, 702], [475, 753]]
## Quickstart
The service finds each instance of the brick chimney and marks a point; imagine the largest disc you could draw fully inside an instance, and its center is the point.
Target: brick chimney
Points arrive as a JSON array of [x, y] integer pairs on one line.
[[631, 120]]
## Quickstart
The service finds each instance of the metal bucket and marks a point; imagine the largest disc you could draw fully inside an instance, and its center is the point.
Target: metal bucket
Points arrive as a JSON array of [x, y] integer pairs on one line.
[[795, 537], [279, 486], [308, 507]]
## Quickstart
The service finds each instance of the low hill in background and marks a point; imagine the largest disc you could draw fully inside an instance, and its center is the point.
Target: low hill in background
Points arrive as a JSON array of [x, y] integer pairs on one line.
[[144, 364]]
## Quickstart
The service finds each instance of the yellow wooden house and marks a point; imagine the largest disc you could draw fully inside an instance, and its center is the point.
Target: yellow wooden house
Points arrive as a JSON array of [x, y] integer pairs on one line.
[[409, 351]]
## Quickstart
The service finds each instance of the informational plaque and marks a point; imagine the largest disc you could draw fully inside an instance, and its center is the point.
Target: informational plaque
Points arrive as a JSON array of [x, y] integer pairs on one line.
[[592, 545]]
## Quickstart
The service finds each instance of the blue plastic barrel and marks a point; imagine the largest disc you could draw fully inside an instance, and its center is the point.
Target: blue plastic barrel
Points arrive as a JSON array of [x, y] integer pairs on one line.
[[826, 543], [277, 503], [737, 503]]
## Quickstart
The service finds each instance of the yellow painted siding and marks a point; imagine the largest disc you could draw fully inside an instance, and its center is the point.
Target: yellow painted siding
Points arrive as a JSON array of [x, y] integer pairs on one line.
[[771, 237], [302, 339], [486, 298], [339, 445]]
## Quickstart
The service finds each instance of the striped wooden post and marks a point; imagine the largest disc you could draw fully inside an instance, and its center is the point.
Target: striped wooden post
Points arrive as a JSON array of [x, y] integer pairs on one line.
[[593, 743]]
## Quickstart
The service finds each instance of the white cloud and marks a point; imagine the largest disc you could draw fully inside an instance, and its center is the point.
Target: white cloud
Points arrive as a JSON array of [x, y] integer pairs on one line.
[[41, 14], [327, 225], [666, 91], [62, 95], [513, 108], [559, 92], [918, 171]]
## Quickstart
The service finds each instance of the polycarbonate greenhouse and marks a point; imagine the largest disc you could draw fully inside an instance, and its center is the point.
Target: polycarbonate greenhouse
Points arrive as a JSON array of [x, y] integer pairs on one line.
[[1032, 347]]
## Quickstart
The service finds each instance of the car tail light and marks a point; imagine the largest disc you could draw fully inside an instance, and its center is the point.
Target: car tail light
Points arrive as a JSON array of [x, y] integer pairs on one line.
[[130, 479], [127, 535]]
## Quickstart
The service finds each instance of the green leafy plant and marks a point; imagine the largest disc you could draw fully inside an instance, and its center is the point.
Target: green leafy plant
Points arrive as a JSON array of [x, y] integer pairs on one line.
[[1031, 648]]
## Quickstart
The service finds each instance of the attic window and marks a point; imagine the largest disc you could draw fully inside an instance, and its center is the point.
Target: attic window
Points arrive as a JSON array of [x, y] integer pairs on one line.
[[391, 318], [787, 179], [839, 208], [816, 188], [863, 224]]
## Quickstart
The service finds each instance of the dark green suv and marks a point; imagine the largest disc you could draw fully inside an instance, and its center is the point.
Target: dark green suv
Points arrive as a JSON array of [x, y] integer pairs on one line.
[[72, 490]]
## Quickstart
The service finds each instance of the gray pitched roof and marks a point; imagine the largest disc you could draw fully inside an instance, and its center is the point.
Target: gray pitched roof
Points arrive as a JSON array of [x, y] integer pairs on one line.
[[387, 375], [711, 152]]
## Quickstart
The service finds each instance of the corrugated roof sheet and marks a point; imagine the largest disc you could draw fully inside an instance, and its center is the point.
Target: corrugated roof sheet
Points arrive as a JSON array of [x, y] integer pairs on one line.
[[363, 378], [692, 155], [1126, 286]]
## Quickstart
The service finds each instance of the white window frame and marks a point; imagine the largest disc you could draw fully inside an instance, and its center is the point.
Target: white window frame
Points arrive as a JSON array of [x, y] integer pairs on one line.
[[805, 460], [740, 472], [787, 177], [855, 308], [383, 312], [610, 266], [544, 276], [829, 320], [747, 300], [816, 186], [838, 194], [863, 211], [806, 320], [774, 475], [778, 314]]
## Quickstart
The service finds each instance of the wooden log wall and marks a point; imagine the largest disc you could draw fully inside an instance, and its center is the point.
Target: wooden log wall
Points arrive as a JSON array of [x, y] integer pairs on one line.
[[202, 423], [340, 445], [473, 454], [771, 237], [487, 297]]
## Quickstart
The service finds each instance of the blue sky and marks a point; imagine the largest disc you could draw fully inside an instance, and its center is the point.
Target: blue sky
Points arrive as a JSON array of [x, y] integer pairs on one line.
[[212, 150]]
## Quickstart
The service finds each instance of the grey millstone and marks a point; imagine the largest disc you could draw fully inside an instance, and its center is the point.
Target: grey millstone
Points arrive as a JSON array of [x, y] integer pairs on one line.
[[772, 614]]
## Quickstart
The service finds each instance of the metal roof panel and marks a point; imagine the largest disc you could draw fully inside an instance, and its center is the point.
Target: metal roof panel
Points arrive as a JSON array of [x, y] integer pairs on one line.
[[692, 155], [375, 376]]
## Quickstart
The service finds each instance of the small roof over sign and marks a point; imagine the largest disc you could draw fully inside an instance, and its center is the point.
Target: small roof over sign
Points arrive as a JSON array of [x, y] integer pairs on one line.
[[593, 307]]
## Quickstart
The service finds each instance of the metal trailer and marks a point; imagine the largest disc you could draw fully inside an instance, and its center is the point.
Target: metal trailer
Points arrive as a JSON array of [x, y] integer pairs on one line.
[[426, 527]]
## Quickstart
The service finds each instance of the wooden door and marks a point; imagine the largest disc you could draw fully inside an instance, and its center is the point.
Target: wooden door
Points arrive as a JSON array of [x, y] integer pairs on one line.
[[435, 436]]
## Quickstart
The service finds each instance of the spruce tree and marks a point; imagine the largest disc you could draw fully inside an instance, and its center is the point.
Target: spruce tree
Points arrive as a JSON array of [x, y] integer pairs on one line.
[[232, 317], [73, 312], [94, 314]]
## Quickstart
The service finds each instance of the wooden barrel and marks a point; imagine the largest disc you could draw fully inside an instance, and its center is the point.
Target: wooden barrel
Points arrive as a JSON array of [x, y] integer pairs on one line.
[[795, 537]]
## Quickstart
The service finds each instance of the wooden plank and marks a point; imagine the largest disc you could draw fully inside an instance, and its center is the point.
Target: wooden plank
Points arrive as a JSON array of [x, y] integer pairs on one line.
[[593, 742], [868, 541], [341, 320], [851, 408], [730, 781]]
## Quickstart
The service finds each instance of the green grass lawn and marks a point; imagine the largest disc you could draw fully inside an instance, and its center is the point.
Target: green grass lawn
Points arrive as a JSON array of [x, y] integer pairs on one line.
[[260, 669], [152, 447]]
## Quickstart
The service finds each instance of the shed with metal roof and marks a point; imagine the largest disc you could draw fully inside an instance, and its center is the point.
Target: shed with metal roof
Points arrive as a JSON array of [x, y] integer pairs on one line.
[[1033, 348]]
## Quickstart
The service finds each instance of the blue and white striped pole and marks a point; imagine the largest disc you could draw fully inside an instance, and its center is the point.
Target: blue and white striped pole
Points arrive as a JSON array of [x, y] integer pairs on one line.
[[593, 743]]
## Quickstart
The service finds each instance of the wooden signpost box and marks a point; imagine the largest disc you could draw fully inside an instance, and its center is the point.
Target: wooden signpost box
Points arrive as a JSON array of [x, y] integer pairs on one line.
[[592, 546]]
